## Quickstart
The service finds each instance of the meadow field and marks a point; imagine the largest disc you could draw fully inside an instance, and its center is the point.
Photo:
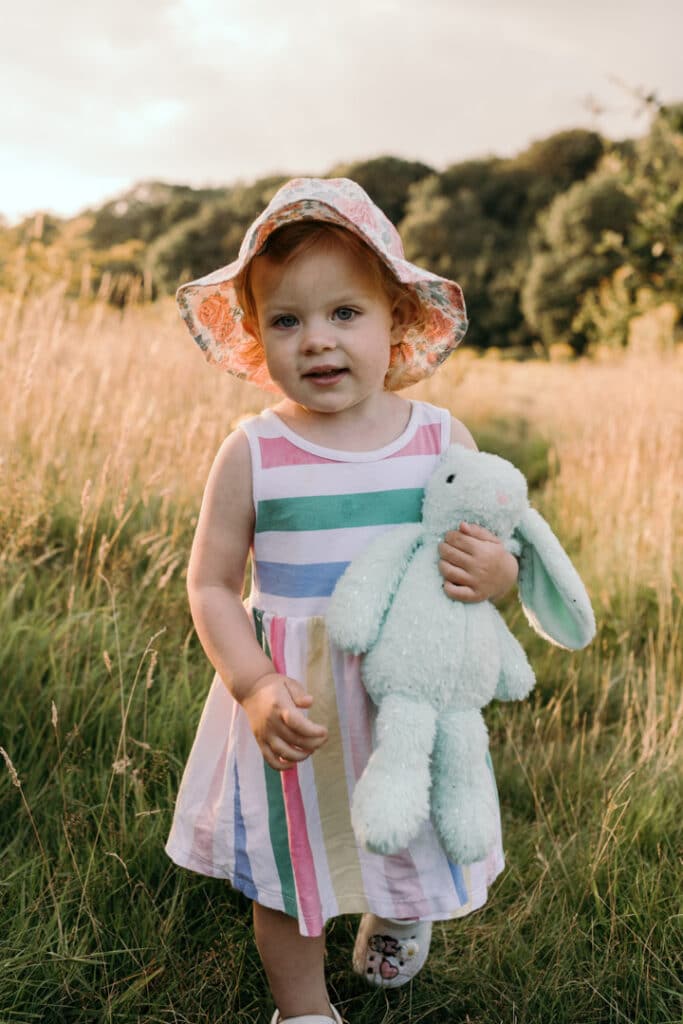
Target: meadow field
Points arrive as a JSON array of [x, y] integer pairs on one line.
[[110, 422]]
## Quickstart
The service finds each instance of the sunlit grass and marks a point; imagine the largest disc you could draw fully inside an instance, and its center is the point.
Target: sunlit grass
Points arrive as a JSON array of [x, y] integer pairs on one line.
[[110, 421]]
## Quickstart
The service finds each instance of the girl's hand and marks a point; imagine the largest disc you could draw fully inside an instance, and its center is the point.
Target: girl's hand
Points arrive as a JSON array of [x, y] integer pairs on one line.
[[475, 565], [282, 731]]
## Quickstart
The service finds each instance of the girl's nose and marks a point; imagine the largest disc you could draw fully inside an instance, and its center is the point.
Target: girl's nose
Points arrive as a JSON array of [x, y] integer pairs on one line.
[[317, 338]]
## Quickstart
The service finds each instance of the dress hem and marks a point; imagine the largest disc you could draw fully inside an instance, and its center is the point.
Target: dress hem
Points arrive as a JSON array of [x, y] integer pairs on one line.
[[352, 904]]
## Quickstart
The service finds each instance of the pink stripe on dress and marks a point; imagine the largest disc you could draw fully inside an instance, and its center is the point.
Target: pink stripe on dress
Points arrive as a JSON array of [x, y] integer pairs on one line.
[[203, 831], [357, 714], [426, 441], [403, 882], [299, 846], [278, 451]]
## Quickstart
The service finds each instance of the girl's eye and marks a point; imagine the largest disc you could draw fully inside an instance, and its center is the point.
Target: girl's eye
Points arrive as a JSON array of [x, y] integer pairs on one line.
[[286, 320], [344, 313]]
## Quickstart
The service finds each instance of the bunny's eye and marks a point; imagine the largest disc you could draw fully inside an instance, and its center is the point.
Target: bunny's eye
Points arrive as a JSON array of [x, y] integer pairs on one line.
[[450, 479]]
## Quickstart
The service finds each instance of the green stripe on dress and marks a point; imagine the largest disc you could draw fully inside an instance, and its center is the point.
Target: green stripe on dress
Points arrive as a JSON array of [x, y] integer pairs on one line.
[[277, 818], [336, 511]]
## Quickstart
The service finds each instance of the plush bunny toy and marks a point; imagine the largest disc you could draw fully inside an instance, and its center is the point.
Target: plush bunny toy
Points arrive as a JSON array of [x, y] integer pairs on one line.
[[431, 663]]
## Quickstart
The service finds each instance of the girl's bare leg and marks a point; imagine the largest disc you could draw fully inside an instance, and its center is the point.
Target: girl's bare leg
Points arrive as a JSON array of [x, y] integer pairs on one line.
[[294, 964]]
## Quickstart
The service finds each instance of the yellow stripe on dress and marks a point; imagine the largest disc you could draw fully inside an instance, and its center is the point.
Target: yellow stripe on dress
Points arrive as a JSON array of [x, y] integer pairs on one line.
[[329, 770]]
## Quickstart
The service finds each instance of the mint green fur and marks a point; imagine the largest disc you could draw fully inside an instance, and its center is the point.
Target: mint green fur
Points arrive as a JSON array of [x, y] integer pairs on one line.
[[431, 663]]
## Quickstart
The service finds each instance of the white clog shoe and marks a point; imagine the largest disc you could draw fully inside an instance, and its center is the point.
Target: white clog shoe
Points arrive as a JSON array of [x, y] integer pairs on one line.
[[389, 953]]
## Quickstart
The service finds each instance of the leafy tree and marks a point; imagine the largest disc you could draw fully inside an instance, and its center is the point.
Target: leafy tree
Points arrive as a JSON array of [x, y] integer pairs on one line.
[[653, 180], [386, 179], [562, 158], [567, 241], [209, 239], [429, 230], [583, 233], [475, 222], [512, 191], [649, 252], [145, 212]]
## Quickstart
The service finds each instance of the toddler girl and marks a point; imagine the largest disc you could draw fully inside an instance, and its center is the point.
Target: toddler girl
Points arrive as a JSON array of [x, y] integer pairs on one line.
[[322, 307]]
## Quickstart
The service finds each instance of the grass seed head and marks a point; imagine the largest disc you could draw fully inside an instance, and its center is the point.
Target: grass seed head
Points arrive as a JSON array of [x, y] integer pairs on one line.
[[10, 768]]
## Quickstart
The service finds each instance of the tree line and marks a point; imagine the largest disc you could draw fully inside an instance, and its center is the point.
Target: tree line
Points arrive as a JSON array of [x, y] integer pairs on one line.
[[566, 242]]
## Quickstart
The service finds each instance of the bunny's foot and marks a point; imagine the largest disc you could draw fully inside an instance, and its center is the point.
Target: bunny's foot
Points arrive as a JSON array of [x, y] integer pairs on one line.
[[464, 801], [391, 799]]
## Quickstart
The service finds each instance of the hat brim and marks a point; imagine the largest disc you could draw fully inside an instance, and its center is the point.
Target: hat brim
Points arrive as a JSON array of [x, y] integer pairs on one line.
[[211, 310]]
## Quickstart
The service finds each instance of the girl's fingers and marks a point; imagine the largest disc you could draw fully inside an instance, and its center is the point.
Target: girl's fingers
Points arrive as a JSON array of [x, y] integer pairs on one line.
[[287, 752], [282, 755], [461, 593], [469, 537], [455, 573], [459, 539], [299, 696], [461, 553], [296, 739], [280, 764], [300, 725], [474, 530], [294, 718]]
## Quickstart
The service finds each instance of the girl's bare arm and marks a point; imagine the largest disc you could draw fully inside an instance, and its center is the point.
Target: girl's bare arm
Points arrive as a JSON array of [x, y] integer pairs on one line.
[[215, 576]]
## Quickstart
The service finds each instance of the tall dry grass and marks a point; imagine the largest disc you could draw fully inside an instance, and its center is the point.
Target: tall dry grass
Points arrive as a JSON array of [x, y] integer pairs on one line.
[[94, 395], [110, 421]]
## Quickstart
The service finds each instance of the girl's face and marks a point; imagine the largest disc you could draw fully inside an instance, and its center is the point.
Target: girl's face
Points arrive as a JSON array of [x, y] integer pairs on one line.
[[325, 326]]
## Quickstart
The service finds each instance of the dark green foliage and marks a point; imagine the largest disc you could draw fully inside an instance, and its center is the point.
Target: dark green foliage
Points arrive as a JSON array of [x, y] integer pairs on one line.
[[146, 211], [193, 247], [511, 192], [652, 177], [560, 160], [474, 223], [583, 232], [626, 217], [386, 179], [211, 238], [577, 219]]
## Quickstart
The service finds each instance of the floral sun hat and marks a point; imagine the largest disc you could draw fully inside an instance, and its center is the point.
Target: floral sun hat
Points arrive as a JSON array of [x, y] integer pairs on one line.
[[211, 310]]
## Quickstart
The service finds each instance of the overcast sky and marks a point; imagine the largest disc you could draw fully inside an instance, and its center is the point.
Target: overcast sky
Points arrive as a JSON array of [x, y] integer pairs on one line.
[[99, 95]]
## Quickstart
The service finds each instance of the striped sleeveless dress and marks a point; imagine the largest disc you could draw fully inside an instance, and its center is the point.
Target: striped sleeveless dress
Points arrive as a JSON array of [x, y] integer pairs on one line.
[[285, 839]]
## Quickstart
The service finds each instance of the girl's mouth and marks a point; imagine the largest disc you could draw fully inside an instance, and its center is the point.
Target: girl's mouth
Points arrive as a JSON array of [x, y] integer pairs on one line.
[[325, 374]]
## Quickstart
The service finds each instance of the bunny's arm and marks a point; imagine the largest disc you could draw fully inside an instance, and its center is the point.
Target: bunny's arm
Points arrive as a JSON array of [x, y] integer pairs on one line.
[[365, 591], [553, 597], [516, 679]]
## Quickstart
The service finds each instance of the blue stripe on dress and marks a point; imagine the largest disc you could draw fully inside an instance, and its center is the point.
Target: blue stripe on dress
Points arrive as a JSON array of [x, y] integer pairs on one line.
[[314, 579], [459, 882], [242, 864]]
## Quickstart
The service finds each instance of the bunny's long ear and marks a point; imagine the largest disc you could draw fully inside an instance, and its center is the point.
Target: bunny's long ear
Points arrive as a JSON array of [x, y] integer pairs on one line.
[[553, 597]]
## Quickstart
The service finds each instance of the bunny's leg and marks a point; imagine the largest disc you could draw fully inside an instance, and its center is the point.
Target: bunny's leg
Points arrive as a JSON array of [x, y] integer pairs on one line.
[[391, 800], [464, 800]]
